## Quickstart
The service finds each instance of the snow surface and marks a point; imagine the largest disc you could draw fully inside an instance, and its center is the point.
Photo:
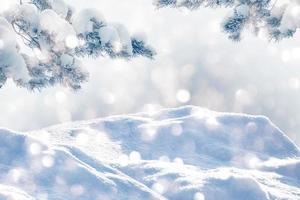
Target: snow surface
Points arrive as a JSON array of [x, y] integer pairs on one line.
[[183, 153]]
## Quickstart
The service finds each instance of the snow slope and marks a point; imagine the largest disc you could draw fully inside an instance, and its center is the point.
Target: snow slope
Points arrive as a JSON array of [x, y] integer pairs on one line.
[[183, 153]]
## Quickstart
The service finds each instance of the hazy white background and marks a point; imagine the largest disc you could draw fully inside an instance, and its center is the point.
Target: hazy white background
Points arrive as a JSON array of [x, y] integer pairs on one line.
[[196, 64]]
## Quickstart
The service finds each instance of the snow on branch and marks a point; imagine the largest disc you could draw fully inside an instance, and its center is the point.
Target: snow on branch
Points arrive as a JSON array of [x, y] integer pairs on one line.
[[278, 18], [42, 41]]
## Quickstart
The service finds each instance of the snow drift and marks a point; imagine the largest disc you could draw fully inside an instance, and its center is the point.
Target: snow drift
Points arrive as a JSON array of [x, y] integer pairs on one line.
[[184, 153]]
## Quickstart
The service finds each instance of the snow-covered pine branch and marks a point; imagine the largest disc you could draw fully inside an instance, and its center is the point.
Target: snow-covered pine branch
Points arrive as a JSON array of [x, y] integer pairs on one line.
[[42, 41], [278, 18]]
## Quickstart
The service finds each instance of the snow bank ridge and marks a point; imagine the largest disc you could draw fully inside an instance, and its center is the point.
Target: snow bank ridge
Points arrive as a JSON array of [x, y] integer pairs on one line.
[[181, 153]]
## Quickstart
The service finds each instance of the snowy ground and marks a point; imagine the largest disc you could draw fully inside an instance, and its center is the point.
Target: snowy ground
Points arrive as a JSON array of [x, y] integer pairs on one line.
[[184, 153]]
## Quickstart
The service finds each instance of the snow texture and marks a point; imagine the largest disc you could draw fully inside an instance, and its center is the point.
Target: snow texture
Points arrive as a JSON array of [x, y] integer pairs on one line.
[[185, 153]]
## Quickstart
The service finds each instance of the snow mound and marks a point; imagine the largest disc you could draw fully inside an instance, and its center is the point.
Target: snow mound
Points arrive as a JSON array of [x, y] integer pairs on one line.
[[183, 153]]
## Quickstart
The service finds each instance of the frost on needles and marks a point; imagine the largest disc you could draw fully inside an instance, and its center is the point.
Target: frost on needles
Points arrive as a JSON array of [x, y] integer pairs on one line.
[[278, 18], [42, 41]]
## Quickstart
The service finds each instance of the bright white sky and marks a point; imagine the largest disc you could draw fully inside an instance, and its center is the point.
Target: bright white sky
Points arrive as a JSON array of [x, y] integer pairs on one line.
[[196, 64]]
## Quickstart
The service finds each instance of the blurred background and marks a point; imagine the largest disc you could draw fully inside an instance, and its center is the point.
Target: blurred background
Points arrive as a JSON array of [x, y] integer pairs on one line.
[[196, 64]]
